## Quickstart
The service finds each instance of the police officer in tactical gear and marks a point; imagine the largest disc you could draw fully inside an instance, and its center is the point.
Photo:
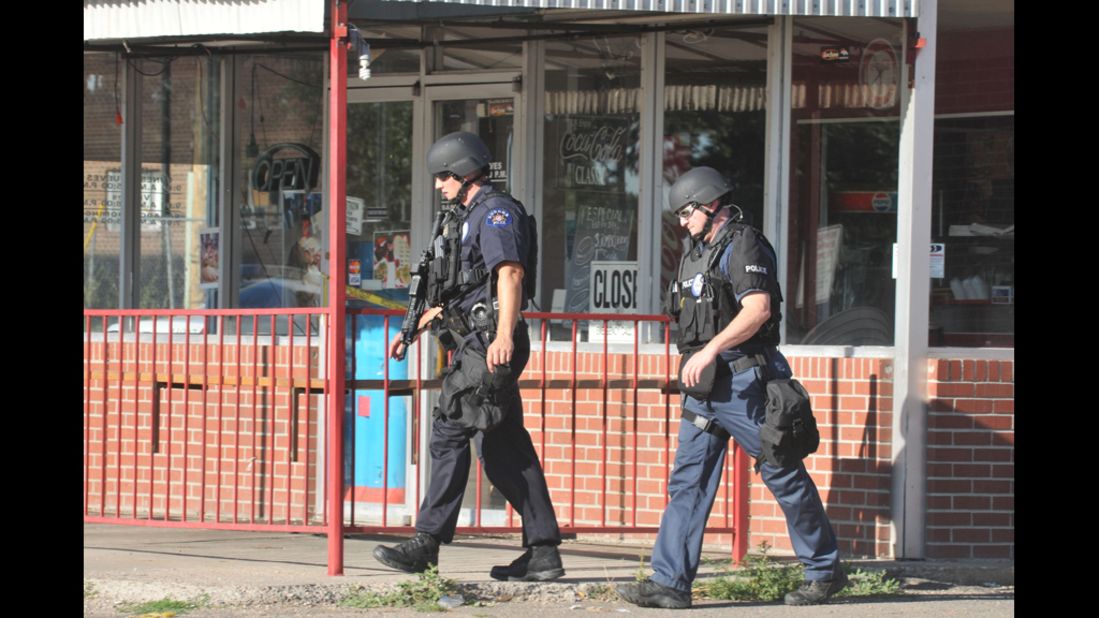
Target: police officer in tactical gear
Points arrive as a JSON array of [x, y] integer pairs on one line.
[[489, 234], [727, 299]]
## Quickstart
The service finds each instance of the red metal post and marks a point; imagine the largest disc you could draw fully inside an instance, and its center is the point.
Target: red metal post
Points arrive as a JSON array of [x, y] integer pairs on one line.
[[337, 178], [186, 402], [168, 423], [385, 424], [205, 389], [87, 404], [137, 404], [118, 410], [154, 434], [221, 420], [740, 506], [572, 471], [606, 420]]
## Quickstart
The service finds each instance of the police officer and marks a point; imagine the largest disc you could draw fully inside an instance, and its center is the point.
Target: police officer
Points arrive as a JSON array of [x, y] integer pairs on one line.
[[489, 229], [727, 302]]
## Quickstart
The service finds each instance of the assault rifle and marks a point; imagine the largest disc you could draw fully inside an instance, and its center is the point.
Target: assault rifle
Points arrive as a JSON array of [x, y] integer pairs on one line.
[[418, 290]]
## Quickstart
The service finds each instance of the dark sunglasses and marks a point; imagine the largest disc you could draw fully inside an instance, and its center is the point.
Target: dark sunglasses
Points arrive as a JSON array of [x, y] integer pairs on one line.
[[444, 176]]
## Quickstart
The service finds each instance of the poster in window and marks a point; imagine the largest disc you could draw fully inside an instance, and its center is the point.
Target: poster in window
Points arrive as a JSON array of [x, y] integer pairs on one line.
[[392, 258], [209, 257]]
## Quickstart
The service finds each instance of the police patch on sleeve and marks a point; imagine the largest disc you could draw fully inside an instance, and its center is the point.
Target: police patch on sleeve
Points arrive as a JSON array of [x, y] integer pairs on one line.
[[498, 218]]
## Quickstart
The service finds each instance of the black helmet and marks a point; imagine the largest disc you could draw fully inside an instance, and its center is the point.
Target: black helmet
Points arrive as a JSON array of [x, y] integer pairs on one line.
[[459, 153], [702, 185]]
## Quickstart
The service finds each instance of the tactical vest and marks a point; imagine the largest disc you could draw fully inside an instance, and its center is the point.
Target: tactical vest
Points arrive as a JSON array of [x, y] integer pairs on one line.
[[704, 302], [453, 278]]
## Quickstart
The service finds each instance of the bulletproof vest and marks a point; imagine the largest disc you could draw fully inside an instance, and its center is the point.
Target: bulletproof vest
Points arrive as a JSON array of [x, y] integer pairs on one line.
[[704, 302], [461, 278]]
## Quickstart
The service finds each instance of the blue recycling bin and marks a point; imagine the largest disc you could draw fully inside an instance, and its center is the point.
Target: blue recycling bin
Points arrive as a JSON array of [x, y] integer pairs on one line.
[[367, 412]]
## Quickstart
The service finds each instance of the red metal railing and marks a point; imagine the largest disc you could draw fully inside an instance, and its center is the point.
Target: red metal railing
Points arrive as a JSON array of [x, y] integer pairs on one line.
[[215, 419], [185, 429]]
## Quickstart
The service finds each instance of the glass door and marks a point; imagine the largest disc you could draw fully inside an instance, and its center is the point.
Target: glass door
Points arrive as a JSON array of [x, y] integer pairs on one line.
[[491, 116]]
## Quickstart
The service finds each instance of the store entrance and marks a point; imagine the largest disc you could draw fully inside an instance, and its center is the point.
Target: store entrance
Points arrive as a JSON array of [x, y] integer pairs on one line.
[[391, 203]]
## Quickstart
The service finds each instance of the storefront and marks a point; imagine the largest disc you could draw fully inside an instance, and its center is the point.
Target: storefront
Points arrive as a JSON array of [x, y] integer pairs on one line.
[[592, 113]]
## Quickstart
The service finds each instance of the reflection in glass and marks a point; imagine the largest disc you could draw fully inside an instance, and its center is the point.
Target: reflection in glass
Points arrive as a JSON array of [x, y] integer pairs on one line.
[[179, 184], [379, 185], [283, 221], [590, 165], [714, 115], [102, 172], [843, 192]]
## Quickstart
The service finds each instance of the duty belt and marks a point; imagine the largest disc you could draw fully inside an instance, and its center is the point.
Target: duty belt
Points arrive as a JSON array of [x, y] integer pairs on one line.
[[747, 362]]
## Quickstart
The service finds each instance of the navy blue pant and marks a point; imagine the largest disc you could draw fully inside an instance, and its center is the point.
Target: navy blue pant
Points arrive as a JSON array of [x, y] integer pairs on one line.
[[509, 461], [738, 403]]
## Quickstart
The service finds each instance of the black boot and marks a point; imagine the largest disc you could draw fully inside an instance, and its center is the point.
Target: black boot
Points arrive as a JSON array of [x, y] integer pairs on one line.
[[647, 593], [413, 556], [538, 564], [815, 593]]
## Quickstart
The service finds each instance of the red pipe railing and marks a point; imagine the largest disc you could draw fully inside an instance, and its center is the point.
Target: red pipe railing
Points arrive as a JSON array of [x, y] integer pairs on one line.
[[256, 397]]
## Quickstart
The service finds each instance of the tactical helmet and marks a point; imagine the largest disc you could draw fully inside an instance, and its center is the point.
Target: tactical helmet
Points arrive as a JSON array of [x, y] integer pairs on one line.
[[460, 153], [702, 185]]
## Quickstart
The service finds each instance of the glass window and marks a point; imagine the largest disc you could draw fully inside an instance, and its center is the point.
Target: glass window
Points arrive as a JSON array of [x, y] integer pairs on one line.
[[590, 166], [379, 180], [178, 152], [102, 170], [973, 194], [714, 115], [283, 222], [843, 190], [477, 48]]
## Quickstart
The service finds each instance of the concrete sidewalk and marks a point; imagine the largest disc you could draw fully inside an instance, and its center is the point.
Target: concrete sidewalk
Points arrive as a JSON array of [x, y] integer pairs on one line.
[[136, 564]]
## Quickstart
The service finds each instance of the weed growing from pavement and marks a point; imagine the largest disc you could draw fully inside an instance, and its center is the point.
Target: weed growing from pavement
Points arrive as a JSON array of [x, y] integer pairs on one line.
[[89, 590], [422, 594], [762, 579], [641, 574], [164, 606], [869, 583]]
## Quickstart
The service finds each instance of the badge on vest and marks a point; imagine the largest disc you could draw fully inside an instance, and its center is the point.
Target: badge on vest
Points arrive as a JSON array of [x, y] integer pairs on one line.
[[499, 218], [696, 285]]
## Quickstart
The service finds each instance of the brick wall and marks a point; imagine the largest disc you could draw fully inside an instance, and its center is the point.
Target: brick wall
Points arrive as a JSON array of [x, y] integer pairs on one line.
[[970, 487], [971, 459], [246, 432]]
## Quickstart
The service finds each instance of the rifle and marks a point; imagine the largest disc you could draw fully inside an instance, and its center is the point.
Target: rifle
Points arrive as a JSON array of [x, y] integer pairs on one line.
[[418, 288]]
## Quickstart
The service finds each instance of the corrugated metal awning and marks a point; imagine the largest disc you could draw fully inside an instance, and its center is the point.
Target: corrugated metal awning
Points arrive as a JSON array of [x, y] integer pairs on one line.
[[849, 8], [149, 19]]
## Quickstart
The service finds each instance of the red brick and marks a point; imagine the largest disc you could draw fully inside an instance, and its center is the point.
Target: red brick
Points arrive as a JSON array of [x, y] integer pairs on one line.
[[1004, 406], [949, 519], [972, 438], [972, 503], [951, 486], [975, 406], [950, 390], [951, 454], [995, 390], [949, 421], [993, 454], [1001, 535], [992, 519], [992, 487]]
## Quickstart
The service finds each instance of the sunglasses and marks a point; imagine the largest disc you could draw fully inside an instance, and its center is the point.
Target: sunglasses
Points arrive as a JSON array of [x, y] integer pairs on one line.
[[688, 210], [444, 176]]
